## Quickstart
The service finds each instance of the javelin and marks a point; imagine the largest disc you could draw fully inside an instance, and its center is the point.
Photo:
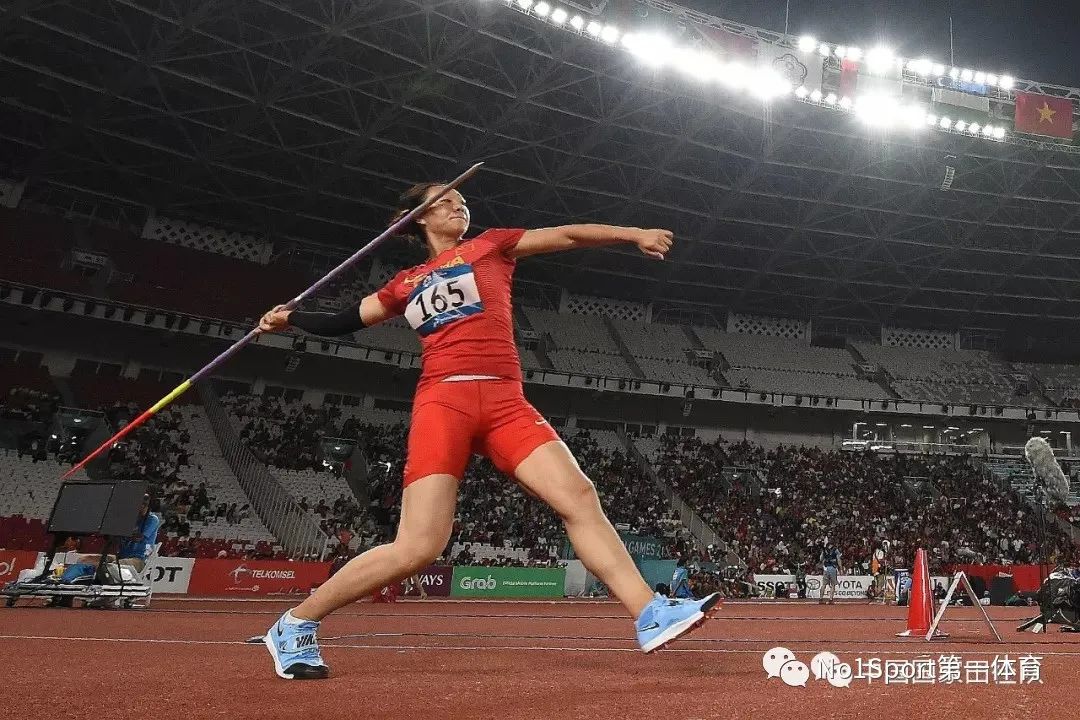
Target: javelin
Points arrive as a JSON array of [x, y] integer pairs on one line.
[[254, 332]]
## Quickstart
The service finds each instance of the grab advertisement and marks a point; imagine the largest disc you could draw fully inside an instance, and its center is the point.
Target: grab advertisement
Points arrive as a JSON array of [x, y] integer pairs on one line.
[[502, 582]]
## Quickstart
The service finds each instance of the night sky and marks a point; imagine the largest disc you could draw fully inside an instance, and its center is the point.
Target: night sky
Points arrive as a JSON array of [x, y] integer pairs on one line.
[[1035, 40]]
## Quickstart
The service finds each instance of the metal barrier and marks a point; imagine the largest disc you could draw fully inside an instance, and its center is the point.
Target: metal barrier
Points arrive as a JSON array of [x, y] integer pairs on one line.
[[296, 531]]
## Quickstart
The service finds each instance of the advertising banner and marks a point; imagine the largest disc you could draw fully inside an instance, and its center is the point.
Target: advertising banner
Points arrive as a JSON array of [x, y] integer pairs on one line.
[[255, 577], [642, 547], [12, 562], [169, 574], [494, 582], [848, 586], [436, 580]]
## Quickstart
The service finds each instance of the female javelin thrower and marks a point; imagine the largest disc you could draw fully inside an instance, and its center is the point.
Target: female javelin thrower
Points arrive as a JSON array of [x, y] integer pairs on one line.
[[470, 399]]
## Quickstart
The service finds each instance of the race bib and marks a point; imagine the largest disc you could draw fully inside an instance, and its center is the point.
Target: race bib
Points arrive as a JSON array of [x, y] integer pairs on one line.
[[445, 296]]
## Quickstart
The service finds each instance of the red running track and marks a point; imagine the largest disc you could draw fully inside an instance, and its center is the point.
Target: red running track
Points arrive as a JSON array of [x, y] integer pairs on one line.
[[185, 659]]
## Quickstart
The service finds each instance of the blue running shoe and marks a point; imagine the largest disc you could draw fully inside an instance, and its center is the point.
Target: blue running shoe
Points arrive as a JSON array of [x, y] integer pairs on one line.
[[295, 650], [663, 620]]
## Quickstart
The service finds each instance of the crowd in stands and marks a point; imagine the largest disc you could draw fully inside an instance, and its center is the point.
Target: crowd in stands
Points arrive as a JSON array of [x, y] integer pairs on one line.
[[27, 404], [777, 513], [492, 510]]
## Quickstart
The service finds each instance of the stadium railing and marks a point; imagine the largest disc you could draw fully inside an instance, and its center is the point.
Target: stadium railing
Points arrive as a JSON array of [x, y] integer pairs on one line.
[[298, 534]]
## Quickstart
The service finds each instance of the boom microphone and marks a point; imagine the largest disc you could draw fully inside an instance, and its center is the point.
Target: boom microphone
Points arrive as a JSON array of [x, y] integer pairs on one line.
[[1041, 456]]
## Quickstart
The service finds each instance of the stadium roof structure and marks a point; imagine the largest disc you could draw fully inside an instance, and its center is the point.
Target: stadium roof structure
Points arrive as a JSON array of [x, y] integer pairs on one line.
[[304, 119]]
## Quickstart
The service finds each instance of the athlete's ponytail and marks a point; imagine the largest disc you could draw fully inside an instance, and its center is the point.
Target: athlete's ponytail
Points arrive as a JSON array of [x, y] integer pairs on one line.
[[410, 200]]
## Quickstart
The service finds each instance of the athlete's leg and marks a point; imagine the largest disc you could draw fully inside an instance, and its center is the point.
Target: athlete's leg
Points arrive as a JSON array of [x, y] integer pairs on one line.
[[551, 473], [427, 519]]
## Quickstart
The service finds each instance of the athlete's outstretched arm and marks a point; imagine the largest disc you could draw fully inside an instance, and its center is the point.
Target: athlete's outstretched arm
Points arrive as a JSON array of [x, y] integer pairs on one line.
[[654, 243], [369, 311]]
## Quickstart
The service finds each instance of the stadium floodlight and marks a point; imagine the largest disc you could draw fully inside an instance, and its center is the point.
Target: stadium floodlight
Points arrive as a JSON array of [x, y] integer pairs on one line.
[[801, 92], [558, 16], [524, 4], [915, 115], [980, 78], [733, 75], [807, 43], [945, 123], [991, 79], [577, 23], [954, 73], [854, 53], [840, 51], [594, 28], [988, 130], [815, 96], [824, 50], [542, 9], [961, 125], [767, 85], [967, 75], [1006, 82], [653, 49], [879, 59], [830, 99], [922, 66], [845, 102], [974, 128], [697, 63], [877, 110], [610, 34], [938, 69], [999, 133], [931, 119]]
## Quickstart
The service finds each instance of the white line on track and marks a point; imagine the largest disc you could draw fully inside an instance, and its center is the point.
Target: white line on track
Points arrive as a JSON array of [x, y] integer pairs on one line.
[[868, 650]]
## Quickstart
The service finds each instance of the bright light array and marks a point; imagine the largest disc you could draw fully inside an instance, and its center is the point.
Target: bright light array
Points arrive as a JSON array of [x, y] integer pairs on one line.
[[879, 59], [881, 111], [651, 48]]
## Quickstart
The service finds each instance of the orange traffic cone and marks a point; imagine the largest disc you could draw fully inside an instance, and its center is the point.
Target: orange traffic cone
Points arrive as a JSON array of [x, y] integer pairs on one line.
[[920, 600]]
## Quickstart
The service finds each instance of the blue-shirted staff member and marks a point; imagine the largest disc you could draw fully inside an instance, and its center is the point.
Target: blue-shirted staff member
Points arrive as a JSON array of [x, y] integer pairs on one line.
[[830, 567], [680, 581], [135, 548]]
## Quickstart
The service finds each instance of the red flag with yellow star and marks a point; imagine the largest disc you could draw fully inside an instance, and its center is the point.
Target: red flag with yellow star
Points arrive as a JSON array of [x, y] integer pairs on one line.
[[1044, 115]]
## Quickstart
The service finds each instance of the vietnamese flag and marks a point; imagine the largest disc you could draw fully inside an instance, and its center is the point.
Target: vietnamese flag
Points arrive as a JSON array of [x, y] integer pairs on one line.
[[1044, 115]]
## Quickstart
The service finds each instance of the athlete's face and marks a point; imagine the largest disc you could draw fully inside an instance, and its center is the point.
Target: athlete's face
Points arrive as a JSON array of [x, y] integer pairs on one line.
[[448, 216]]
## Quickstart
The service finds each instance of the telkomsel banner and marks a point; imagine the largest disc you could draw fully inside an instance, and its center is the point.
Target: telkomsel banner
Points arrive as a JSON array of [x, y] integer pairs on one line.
[[255, 577], [493, 582]]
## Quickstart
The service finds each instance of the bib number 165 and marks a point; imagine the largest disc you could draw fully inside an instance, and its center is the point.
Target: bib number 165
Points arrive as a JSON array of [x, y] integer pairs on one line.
[[433, 302]]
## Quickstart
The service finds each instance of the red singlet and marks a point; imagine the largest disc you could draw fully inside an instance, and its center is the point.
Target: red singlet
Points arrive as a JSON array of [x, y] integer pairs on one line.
[[459, 304]]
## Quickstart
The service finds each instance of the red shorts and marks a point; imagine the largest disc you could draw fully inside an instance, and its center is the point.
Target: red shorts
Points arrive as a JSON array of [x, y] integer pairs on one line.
[[453, 420]]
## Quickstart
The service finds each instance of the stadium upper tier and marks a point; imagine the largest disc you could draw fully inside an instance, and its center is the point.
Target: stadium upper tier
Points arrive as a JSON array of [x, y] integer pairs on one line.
[[594, 342]]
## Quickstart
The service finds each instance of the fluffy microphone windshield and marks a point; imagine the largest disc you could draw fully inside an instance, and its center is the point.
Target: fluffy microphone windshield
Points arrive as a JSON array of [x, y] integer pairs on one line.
[[1041, 456]]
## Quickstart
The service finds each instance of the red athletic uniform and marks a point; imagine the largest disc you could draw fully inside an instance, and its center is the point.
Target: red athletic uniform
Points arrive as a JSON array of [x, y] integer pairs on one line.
[[459, 303]]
